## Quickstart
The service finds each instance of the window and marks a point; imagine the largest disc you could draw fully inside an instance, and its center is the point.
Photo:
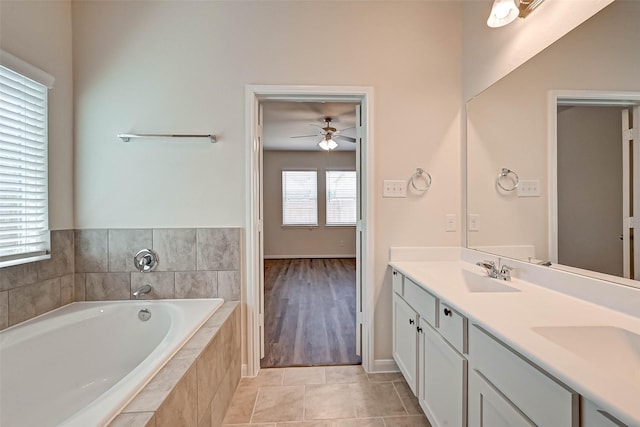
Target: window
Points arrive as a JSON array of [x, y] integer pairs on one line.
[[341, 198], [24, 216], [299, 197]]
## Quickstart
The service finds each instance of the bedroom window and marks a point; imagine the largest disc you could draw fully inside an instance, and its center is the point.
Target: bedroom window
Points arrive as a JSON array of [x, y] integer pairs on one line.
[[24, 211], [300, 197], [341, 198]]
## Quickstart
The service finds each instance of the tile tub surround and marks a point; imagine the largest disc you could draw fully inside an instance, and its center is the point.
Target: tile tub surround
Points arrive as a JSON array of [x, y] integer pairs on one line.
[[194, 389], [332, 396], [28, 290], [194, 263]]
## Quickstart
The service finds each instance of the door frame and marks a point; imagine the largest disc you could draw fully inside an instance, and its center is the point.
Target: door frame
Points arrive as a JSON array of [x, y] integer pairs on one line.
[[592, 98], [253, 95]]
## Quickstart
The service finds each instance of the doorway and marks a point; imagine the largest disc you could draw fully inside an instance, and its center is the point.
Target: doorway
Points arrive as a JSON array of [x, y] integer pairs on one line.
[[309, 213], [254, 278], [594, 178]]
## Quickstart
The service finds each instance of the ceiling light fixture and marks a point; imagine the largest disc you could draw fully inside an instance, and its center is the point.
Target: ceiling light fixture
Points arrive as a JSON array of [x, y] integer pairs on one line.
[[328, 144], [504, 12]]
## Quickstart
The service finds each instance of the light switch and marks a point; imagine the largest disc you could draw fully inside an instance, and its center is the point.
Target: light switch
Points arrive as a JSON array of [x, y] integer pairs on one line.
[[529, 188], [450, 222], [394, 188], [473, 223]]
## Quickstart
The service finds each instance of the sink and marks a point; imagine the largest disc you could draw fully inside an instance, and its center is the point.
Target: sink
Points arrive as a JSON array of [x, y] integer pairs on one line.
[[613, 350], [478, 283]]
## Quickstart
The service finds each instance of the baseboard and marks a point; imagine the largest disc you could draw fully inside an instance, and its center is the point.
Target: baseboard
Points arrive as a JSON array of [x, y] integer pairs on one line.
[[310, 256], [243, 370], [385, 365]]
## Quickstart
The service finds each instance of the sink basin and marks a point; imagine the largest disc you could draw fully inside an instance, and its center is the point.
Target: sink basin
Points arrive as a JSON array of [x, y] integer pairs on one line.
[[478, 283], [613, 350]]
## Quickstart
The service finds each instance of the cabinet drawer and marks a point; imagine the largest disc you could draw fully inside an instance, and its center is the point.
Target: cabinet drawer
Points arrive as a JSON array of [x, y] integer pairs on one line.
[[542, 399], [453, 327], [398, 285], [421, 301]]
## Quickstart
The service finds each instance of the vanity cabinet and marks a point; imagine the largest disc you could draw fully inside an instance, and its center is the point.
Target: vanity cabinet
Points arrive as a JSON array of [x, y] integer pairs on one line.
[[592, 416], [404, 340], [434, 367], [511, 391], [443, 379]]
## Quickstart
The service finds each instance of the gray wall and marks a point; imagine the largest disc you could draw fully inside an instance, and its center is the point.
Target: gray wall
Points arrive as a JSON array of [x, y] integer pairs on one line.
[[296, 242], [590, 188]]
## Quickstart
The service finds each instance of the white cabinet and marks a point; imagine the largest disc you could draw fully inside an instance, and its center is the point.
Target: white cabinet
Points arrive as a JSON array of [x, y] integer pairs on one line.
[[490, 408], [592, 416], [405, 340], [537, 396], [443, 379]]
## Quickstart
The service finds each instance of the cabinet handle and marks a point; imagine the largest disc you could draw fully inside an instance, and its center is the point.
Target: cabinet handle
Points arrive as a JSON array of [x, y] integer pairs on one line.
[[411, 321], [419, 329], [447, 312]]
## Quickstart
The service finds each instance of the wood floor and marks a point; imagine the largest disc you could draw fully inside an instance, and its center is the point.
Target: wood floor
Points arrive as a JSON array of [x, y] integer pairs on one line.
[[310, 312]]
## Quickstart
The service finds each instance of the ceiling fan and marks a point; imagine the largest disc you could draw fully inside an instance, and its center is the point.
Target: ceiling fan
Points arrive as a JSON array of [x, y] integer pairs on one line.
[[328, 134]]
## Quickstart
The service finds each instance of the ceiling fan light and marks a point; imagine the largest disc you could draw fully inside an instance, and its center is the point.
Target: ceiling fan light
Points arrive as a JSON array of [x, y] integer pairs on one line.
[[323, 144], [332, 144], [503, 12]]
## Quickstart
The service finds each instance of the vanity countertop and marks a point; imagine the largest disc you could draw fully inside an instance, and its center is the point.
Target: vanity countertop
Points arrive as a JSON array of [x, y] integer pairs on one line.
[[530, 318]]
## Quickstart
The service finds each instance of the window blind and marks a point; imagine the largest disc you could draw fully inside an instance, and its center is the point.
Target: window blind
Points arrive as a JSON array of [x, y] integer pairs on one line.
[[341, 198], [299, 197], [24, 219]]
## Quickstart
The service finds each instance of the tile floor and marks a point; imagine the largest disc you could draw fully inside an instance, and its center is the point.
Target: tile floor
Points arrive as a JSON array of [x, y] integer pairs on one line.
[[332, 396]]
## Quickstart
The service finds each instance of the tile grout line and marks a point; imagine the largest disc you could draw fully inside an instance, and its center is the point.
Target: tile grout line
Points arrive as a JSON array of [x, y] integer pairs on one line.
[[400, 397], [253, 410]]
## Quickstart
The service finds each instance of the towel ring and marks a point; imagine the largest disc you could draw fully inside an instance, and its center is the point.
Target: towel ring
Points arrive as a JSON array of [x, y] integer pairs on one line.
[[508, 173], [420, 173]]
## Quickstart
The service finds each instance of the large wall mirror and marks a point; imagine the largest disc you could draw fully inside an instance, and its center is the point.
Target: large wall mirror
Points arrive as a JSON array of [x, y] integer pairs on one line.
[[556, 127]]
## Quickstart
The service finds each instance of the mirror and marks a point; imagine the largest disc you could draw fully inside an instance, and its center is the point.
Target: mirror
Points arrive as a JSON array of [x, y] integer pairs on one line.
[[513, 125]]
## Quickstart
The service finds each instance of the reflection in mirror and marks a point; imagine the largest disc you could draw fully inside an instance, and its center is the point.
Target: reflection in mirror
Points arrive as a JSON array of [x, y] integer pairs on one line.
[[558, 214]]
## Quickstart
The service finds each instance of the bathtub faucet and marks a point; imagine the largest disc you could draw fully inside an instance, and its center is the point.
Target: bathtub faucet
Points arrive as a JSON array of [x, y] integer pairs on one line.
[[141, 291]]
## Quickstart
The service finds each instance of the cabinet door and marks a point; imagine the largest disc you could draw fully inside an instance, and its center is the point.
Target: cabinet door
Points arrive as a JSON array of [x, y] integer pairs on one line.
[[443, 384], [489, 408], [592, 416], [405, 340]]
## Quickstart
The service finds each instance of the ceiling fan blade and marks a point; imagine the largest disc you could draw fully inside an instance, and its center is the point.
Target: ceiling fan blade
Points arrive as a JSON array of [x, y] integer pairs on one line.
[[346, 138], [341, 130], [305, 136]]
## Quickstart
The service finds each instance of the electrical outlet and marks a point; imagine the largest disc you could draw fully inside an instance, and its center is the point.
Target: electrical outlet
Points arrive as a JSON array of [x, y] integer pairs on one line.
[[529, 188], [394, 188], [473, 223], [450, 222]]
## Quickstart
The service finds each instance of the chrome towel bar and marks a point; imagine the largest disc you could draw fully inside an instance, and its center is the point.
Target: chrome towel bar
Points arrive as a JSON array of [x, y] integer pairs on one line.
[[126, 137]]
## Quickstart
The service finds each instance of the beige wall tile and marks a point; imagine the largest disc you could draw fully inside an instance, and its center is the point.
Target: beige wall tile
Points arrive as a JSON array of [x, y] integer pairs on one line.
[[135, 419], [162, 282], [80, 289], [67, 289], [4, 309], [180, 407], [32, 300], [222, 399], [212, 368], [62, 256], [18, 275], [124, 245], [205, 421], [91, 251], [218, 248], [196, 284], [176, 248], [277, 404], [107, 286], [229, 285]]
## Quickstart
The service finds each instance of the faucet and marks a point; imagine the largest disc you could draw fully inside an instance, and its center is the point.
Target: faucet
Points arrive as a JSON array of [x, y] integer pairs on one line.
[[141, 291], [504, 273]]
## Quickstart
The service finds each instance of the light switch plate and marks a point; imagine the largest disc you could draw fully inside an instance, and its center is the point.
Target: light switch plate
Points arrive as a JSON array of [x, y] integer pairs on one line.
[[450, 222], [394, 188], [473, 222], [529, 188]]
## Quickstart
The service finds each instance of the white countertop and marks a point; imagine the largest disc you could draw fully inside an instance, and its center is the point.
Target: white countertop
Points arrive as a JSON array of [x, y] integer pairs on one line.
[[511, 317]]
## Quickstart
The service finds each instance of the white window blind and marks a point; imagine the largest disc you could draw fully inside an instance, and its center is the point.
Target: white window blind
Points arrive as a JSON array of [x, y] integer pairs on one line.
[[341, 198], [299, 197], [24, 219]]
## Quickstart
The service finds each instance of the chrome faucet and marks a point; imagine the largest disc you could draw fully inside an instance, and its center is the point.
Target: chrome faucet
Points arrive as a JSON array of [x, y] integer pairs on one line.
[[141, 291], [504, 273]]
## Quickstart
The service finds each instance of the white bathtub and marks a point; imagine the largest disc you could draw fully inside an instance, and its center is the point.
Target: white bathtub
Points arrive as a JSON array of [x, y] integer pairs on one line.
[[81, 364]]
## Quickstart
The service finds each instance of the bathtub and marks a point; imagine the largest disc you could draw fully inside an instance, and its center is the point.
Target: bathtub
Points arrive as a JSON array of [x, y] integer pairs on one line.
[[81, 364]]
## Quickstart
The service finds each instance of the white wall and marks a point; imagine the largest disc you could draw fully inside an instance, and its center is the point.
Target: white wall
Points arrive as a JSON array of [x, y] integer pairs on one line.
[[491, 53], [39, 32], [320, 241], [179, 66]]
